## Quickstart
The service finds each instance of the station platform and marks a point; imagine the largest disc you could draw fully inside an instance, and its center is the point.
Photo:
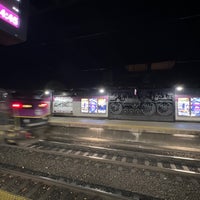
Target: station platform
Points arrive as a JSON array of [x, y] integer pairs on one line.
[[166, 135], [192, 128]]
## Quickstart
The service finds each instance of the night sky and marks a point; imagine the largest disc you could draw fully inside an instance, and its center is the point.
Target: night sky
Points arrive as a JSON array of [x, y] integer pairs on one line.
[[81, 43]]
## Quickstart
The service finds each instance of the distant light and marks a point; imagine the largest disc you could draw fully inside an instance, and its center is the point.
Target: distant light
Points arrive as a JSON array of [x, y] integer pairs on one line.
[[101, 91], [14, 8], [179, 88]]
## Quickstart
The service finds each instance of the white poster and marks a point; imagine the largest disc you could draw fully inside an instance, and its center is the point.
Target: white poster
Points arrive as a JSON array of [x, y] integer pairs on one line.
[[62, 104], [84, 105], [183, 107]]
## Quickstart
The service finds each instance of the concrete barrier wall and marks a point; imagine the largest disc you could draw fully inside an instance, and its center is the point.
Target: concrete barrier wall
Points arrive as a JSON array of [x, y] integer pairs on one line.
[[150, 105]]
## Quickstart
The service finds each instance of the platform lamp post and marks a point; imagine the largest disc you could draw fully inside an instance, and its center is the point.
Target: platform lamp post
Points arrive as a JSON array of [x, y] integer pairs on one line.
[[50, 93], [178, 90]]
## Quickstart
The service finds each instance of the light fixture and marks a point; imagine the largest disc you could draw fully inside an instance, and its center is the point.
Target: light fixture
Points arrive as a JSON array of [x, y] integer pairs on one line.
[[101, 90], [179, 88], [47, 92]]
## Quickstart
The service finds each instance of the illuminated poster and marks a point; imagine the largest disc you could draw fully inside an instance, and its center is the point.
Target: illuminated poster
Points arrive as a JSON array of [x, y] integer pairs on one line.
[[92, 105], [102, 105], [84, 105], [183, 107], [62, 104], [195, 106]]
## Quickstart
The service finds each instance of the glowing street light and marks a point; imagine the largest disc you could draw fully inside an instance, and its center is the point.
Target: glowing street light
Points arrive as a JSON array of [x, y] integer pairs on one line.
[[179, 88], [101, 90], [46, 92]]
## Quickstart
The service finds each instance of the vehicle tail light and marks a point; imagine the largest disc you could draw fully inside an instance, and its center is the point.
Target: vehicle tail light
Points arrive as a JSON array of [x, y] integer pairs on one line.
[[17, 105], [27, 106], [42, 105]]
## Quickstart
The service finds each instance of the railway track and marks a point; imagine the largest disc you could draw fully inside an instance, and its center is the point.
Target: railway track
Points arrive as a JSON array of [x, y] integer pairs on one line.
[[40, 186], [157, 162], [124, 174]]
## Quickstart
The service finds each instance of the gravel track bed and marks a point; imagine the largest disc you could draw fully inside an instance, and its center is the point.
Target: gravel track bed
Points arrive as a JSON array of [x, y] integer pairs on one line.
[[125, 178]]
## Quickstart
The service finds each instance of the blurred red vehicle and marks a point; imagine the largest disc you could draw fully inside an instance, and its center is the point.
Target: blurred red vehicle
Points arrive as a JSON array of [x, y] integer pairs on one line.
[[31, 108]]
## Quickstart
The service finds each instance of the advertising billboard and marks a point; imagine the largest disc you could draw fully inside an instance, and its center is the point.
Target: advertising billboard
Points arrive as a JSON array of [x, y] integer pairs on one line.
[[92, 105], [62, 104], [183, 106], [195, 106], [84, 105], [102, 105], [188, 107]]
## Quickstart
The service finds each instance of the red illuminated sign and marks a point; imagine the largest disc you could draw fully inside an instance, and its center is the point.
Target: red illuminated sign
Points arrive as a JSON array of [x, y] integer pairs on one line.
[[9, 16]]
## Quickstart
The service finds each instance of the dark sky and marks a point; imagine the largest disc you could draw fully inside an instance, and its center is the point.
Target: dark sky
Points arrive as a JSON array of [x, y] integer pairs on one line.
[[79, 43]]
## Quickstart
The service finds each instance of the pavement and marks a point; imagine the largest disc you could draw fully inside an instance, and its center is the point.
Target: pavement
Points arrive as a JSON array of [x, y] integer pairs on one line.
[[167, 135], [192, 128]]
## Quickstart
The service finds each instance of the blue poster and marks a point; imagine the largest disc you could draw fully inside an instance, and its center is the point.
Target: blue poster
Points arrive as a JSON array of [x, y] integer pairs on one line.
[[195, 106], [92, 105]]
